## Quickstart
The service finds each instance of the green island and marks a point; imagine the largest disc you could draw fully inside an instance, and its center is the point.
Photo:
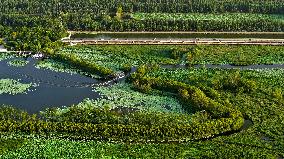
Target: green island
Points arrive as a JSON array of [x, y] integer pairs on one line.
[[144, 101]]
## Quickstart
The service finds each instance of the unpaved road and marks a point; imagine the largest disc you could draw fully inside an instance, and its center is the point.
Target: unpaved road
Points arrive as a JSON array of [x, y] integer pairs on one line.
[[179, 41]]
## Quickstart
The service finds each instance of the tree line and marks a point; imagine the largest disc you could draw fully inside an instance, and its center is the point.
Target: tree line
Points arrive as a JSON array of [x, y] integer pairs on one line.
[[31, 33], [96, 7]]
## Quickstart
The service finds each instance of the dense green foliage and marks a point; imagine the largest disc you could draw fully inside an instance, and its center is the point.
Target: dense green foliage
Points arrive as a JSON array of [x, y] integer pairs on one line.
[[10, 144], [236, 55], [106, 125], [117, 57], [101, 123], [5, 55], [37, 26], [97, 7], [122, 95], [46, 21], [207, 22], [179, 22], [31, 33]]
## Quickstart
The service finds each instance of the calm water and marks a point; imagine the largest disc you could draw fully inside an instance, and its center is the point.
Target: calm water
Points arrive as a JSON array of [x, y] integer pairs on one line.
[[54, 89]]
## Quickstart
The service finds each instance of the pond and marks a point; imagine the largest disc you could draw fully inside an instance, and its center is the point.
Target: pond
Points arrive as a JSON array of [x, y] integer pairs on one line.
[[54, 89]]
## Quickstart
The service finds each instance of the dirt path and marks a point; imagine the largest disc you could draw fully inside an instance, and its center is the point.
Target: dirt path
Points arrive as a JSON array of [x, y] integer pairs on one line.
[[174, 32], [176, 42]]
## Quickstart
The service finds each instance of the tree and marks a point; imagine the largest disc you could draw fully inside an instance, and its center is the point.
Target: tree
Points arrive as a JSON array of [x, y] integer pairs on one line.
[[119, 13]]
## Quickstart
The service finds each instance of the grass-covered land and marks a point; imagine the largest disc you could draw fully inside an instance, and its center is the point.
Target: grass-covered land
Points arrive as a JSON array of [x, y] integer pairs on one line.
[[157, 112]]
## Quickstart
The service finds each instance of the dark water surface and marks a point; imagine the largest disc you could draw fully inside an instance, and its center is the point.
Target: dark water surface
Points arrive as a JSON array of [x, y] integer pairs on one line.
[[54, 89]]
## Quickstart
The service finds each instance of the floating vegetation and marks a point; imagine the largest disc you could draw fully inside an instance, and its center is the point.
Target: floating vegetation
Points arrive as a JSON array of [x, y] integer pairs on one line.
[[13, 87], [122, 95], [18, 63], [4, 56], [56, 66]]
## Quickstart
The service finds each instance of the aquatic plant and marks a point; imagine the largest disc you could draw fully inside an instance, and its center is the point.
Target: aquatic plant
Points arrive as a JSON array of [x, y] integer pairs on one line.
[[13, 87], [18, 62]]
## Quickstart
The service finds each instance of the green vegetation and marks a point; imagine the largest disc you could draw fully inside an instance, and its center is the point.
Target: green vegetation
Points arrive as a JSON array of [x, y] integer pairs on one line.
[[38, 26], [122, 95], [262, 104], [58, 66], [10, 144], [13, 87], [236, 55], [31, 33], [209, 22], [4, 56], [116, 57], [64, 7], [54, 148], [18, 63], [156, 112], [121, 57]]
